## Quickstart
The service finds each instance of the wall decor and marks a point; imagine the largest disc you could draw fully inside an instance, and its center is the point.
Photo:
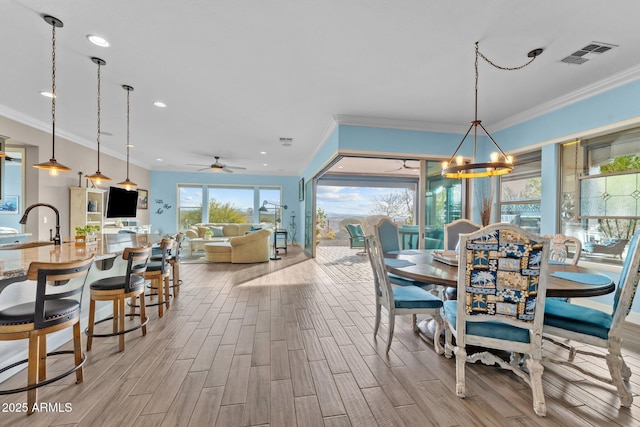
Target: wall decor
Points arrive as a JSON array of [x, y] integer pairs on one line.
[[143, 199], [10, 205], [301, 190]]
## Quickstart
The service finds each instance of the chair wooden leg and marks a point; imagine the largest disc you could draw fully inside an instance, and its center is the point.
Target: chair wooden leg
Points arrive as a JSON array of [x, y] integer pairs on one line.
[[77, 351], [436, 335], [116, 309], [32, 370], [461, 361], [167, 291], [158, 284], [616, 364], [143, 313], [176, 278], [42, 358], [392, 321], [535, 369], [377, 325], [120, 303], [92, 321], [448, 341]]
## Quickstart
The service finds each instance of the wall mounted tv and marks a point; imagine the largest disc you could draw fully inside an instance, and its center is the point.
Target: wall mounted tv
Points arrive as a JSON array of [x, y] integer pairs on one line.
[[121, 203]]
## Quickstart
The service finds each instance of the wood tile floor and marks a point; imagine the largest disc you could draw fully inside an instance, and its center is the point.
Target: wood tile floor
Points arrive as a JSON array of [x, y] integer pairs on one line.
[[295, 347]]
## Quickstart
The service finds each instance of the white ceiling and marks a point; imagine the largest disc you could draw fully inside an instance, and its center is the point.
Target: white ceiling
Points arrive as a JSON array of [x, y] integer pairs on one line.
[[237, 75]]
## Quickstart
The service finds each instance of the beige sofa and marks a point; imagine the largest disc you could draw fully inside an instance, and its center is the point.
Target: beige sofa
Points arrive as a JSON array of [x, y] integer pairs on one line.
[[228, 229], [249, 248]]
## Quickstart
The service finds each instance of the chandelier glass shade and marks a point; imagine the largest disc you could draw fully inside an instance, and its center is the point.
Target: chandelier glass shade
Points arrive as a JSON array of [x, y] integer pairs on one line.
[[52, 165], [127, 183], [499, 163], [98, 177]]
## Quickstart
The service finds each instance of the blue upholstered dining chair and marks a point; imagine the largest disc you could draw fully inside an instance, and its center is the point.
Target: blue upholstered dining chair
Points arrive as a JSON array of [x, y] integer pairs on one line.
[[454, 229], [387, 233], [597, 328], [502, 284], [399, 300]]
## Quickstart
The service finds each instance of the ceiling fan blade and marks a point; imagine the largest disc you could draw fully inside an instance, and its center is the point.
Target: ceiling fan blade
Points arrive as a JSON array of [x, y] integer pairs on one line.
[[226, 169], [204, 169], [235, 167], [393, 170], [192, 164]]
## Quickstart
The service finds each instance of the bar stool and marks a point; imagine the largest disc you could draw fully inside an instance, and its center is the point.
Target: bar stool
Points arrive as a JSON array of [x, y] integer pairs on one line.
[[116, 289], [51, 312], [174, 261], [158, 273]]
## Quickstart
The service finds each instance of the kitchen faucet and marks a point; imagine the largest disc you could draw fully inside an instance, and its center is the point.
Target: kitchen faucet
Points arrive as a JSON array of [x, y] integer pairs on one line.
[[56, 239]]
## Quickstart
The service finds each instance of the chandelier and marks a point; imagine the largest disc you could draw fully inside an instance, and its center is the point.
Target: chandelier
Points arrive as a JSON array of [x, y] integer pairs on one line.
[[500, 163]]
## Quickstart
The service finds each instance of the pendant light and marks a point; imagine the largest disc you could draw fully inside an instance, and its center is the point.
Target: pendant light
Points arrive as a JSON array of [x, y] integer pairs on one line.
[[52, 165], [127, 183], [500, 163], [98, 177]]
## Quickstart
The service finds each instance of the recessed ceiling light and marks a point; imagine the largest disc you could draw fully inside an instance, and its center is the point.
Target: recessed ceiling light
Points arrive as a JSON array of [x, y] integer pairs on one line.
[[97, 40], [263, 152], [265, 164], [340, 167], [47, 94], [159, 160], [160, 104]]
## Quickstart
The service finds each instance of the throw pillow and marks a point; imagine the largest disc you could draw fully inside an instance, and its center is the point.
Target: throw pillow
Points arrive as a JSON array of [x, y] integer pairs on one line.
[[217, 231], [253, 228]]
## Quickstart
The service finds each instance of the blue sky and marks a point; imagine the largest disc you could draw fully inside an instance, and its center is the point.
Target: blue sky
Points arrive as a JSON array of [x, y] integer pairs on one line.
[[349, 200]]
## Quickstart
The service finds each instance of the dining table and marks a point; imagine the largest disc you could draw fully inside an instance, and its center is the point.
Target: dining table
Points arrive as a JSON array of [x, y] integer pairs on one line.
[[423, 265]]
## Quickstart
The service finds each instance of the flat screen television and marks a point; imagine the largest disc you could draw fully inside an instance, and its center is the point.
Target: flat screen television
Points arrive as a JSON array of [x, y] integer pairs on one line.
[[121, 203]]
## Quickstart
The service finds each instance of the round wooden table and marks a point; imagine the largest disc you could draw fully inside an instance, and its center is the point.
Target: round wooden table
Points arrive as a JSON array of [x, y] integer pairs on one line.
[[428, 270]]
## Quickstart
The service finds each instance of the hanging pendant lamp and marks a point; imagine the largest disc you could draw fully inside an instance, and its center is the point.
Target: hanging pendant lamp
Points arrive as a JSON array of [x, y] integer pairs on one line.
[[500, 163], [98, 177], [127, 183], [52, 165]]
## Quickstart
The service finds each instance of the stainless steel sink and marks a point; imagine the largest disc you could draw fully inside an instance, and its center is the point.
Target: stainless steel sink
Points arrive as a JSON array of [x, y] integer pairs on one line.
[[24, 245]]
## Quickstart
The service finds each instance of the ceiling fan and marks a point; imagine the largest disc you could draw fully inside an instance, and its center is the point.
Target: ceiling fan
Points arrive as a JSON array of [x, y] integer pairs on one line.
[[219, 167], [404, 166]]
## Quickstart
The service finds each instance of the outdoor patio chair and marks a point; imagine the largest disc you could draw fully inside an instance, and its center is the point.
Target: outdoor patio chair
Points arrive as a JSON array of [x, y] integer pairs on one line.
[[356, 235], [597, 328], [502, 284]]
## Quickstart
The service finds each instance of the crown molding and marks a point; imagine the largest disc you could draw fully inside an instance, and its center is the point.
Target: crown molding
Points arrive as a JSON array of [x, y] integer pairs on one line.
[[627, 76], [23, 119], [402, 124]]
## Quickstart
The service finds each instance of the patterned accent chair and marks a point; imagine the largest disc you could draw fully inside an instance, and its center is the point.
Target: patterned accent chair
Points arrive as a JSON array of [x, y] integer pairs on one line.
[[502, 284], [597, 328], [399, 300]]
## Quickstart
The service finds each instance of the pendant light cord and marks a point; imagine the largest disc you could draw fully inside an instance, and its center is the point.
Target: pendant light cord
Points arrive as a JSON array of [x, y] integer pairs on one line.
[[53, 91], [98, 132], [128, 117]]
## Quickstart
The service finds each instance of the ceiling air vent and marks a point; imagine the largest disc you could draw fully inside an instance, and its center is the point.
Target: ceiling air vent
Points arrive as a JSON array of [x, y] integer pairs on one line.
[[286, 142], [588, 52]]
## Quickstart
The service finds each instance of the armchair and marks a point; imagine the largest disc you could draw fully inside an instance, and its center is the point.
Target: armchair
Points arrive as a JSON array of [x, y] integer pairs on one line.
[[597, 328], [252, 247], [502, 284]]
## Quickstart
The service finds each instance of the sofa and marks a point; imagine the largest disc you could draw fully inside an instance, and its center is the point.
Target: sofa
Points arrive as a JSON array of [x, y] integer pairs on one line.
[[249, 248], [228, 230]]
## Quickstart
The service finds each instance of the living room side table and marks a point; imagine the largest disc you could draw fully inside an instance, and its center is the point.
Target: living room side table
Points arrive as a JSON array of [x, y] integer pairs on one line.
[[280, 237]]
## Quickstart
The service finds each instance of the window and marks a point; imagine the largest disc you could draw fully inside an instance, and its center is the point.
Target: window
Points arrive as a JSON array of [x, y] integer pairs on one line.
[[600, 193], [520, 193], [238, 204]]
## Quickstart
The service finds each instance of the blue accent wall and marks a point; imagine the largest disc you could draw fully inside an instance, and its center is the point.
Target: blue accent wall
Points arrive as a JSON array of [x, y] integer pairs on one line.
[[12, 186], [164, 187]]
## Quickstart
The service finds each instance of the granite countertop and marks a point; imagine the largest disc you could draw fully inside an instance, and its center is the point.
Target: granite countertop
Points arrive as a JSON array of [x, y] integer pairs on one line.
[[14, 263]]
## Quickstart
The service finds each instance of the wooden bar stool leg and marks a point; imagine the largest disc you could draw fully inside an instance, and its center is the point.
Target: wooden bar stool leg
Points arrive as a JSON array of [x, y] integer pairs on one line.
[[175, 266], [92, 321], [167, 291], [158, 283], [120, 303], [143, 314], [32, 374], [114, 322], [77, 351], [42, 357]]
